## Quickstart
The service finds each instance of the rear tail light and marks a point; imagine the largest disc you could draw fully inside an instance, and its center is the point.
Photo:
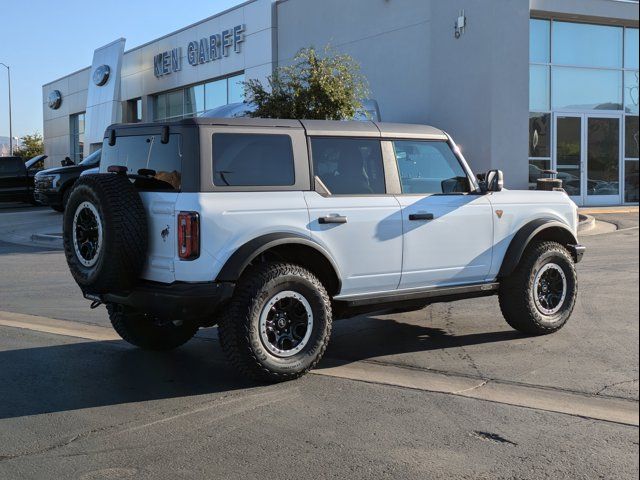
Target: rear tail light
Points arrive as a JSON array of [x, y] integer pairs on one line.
[[188, 235]]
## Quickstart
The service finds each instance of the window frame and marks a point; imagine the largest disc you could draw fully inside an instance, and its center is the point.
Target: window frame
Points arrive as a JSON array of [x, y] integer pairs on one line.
[[300, 158], [318, 187], [474, 189]]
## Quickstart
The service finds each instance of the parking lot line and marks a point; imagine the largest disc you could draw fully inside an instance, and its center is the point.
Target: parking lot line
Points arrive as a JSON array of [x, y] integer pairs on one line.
[[610, 409]]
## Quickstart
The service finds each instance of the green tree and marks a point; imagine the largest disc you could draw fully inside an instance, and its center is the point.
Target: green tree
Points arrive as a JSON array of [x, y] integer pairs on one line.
[[320, 87], [32, 145]]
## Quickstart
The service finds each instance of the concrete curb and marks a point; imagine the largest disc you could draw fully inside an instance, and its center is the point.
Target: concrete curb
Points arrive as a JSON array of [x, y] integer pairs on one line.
[[586, 223], [47, 239]]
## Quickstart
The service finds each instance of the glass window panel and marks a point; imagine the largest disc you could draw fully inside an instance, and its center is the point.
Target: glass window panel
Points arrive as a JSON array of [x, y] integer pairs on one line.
[[429, 167], [538, 87], [215, 94], [194, 100], [539, 134], [175, 104], [252, 160], [349, 166], [236, 89], [631, 92], [536, 167], [631, 48], [568, 153], [631, 137], [580, 44], [631, 181], [539, 37], [603, 156], [147, 151], [161, 107], [581, 88]]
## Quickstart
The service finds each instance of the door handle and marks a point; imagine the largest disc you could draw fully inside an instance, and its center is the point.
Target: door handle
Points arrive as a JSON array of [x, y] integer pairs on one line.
[[421, 216], [332, 219]]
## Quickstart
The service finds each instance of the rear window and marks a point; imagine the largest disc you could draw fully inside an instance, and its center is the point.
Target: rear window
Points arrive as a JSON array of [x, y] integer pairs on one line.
[[147, 152], [252, 160], [11, 166]]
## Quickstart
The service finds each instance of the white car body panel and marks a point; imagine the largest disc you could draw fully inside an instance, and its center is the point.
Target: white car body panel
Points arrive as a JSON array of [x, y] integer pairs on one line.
[[453, 248], [228, 220], [161, 223], [520, 207], [368, 248]]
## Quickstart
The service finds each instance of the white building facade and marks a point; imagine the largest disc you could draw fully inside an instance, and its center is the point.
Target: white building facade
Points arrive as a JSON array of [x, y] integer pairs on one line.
[[522, 85]]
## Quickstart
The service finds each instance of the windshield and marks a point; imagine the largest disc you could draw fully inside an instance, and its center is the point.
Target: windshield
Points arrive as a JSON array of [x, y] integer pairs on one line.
[[92, 160], [145, 155], [31, 162]]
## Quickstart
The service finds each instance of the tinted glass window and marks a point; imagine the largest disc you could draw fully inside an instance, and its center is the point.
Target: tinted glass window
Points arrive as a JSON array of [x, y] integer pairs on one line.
[[632, 137], [539, 134], [539, 37], [580, 44], [631, 85], [631, 48], [349, 166], [429, 167], [586, 88], [252, 160], [147, 152], [11, 166], [92, 160], [539, 87]]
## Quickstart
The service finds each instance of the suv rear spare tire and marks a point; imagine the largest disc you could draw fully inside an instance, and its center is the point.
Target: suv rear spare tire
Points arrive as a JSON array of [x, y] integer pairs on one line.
[[105, 233]]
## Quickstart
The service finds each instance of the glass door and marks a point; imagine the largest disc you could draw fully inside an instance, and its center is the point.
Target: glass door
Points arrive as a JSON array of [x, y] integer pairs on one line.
[[587, 150], [602, 172], [568, 154]]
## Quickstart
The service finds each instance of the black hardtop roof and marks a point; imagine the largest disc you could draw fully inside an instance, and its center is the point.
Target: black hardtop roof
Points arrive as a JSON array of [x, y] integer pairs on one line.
[[312, 127]]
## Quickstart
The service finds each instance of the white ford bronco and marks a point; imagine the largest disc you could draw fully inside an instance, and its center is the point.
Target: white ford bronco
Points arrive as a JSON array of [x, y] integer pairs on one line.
[[270, 229]]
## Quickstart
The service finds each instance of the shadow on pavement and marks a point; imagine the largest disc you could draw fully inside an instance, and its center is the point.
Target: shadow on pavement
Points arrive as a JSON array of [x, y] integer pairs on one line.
[[366, 337], [7, 248], [92, 374]]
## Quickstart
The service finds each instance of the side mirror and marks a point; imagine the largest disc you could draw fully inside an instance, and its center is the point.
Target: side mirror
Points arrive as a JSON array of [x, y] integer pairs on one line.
[[492, 181], [67, 162]]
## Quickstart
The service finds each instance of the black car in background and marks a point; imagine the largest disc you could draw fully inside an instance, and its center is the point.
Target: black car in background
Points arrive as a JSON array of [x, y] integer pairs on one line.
[[53, 186], [17, 178]]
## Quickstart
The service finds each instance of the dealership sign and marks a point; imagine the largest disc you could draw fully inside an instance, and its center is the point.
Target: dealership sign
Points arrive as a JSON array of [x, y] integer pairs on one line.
[[205, 50]]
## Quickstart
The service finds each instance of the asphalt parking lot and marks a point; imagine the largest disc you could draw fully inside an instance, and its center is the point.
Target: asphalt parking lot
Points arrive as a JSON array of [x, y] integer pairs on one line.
[[446, 392]]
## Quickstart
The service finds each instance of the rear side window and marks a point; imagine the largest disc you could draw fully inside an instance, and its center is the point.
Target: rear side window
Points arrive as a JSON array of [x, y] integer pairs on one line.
[[252, 160], [162, 162], [11, 167], [349, 166], [429, 167]]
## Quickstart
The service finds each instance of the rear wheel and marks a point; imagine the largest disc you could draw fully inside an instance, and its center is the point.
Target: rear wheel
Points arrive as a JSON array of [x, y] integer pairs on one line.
[[148, 332], [539, 296], [278, 323]]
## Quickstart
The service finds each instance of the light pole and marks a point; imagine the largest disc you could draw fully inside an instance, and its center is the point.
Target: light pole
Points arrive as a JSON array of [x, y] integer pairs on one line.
[[10, 126]]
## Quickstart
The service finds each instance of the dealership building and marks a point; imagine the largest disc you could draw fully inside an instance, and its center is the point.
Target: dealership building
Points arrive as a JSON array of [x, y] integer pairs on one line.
[[521, 85]]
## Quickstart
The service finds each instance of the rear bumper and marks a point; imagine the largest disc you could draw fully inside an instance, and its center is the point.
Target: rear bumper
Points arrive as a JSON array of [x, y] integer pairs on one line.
[[175, 301], [577, 251]]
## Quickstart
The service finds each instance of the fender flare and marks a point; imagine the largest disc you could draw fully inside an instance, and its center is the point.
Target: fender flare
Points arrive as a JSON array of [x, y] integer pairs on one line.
[[248, 252], [525, 235]]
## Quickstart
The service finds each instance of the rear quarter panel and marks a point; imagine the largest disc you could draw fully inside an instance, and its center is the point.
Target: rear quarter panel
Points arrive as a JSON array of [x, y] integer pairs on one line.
[[517, 208], [230, 219]]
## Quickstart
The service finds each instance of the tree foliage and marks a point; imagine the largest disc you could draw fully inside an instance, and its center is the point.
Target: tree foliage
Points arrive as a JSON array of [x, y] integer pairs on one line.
[[321, 87], [32, 145]]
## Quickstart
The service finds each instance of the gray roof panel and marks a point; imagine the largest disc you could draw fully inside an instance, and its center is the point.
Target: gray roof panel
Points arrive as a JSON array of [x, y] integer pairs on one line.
[[412, 131], [333, 128]]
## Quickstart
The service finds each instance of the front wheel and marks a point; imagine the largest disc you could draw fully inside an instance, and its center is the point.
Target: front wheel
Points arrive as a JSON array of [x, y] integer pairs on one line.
[[278, 323], [539, 296]]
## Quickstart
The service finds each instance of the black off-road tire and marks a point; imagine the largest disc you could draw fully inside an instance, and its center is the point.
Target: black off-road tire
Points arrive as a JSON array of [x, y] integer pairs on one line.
[[238, 327], [65, 197], [122, 252], [516, 294], [145, 332]]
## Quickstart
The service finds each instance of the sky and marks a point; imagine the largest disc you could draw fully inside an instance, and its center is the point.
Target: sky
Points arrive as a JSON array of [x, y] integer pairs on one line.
[[43, 40]]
